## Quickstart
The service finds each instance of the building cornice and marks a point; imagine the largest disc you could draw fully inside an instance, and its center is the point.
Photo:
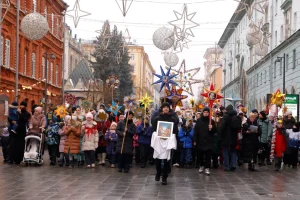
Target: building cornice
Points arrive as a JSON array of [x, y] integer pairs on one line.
[[284, 44]]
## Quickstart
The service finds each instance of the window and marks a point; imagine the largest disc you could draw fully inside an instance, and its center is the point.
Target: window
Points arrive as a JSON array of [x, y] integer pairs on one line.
[[46, 12], [230, 74], [295, 22], [34, 5], [275, 38], [261, 78], [51, 73], [276, 6], [131, 56], [25, 63], [265, 76], [1, 50], [287, 17], [281, 33], [56, 75], [43, 68], [294, 58], [7, 53], [33, 61], [287, 62], [52, 23]]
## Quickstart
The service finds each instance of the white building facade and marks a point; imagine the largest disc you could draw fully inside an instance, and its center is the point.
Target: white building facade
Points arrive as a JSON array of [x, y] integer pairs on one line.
[[252, 77]]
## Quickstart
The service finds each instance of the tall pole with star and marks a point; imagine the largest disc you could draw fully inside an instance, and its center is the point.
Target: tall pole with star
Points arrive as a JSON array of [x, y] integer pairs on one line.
[[146, 101]]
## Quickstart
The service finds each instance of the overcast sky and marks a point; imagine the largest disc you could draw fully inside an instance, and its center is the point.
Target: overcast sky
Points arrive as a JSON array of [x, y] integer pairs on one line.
[[145, 16]]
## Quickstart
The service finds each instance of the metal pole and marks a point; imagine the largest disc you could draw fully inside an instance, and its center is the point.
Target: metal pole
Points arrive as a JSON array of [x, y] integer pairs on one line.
[[17, 50], [46, 83], [112, 94], [283, 79], [63, 64]]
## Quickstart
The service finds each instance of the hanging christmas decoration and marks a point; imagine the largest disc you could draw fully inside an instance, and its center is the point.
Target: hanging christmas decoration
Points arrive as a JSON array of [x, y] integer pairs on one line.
[[163, 38], [112, 81], [70, 99], [261, 49], [34, 26], [127, 36], [4, 5], [114, 108], [180, 44], [254, 35], [139, 112], [175, 96], [165, 79], [233, 99], [77, 13], [184, 24], [259, 6], [86, 104], [171, 59], [124, 7], [61, 111], [186, 79]]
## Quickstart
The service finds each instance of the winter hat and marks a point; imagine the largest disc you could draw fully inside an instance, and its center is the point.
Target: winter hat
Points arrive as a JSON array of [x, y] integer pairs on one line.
[[39, 109], [229, 108], [254, 111], [222, 108], [263, 113], [206, 109], [15, 103], [23, 103], [113, 124], [289, 113], [102, 105], [165, 104], [89, 115]]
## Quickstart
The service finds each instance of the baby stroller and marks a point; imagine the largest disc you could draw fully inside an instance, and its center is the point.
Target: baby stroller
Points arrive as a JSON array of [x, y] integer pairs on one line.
[[33, 153]]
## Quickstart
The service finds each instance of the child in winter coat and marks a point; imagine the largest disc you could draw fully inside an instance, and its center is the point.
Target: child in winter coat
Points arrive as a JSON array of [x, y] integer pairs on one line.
[[72, 143], [291, 154], [62, 156], [111, 138], [280, 144], [144, 132], [185, 136], [4, 144], [52, 139], [13, 116], [89, 139]]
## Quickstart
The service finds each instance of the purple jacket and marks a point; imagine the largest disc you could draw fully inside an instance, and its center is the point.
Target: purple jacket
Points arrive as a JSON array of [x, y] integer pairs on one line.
[[111, 144]]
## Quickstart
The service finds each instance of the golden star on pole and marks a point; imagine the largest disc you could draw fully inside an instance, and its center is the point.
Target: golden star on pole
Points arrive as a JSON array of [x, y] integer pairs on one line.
[[61, 111], [146, 100], [277, 98]]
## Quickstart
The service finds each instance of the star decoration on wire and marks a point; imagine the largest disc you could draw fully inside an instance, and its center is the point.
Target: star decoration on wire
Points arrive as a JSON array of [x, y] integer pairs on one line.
[[256, 29], [127, 36], [86, 104], [5, 5], [102, 51], [114, 108], [186, 79], [124, 7], [176, 97], [180, 44], [184, 23], [258, 6], [77, 13], [212, 95], [146, 100], [233, 99], [165, 79]]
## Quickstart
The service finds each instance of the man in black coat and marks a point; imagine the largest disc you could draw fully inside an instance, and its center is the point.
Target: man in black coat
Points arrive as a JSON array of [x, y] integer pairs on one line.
[[204, 139], [229, 137], [166, 115]]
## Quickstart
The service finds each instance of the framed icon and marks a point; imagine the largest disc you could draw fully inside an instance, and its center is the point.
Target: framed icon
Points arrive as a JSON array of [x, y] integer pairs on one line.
[[164, 129]]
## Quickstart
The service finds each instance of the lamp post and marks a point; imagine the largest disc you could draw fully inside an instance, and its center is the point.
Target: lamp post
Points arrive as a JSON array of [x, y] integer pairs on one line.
[[279, 59], [52, 56]]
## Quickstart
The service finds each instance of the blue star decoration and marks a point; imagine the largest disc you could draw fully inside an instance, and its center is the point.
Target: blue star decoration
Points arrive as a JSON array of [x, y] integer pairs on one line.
[[114, 108], [165, 78], [233, 99]]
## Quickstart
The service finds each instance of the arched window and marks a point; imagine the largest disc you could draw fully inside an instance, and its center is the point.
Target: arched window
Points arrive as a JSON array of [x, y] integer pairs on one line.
[[43, 68], [293, 90], [34, 5], [25, 63], [7, 53], [33, 65], [51, 73], [56, 75], [52, 23]]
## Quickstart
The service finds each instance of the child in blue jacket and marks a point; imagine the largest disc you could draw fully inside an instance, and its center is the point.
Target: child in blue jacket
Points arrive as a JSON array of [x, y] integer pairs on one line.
[[185, 136]]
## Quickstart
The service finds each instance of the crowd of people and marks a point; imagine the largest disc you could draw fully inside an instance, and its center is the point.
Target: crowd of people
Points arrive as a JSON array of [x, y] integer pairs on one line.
[[228, 136]]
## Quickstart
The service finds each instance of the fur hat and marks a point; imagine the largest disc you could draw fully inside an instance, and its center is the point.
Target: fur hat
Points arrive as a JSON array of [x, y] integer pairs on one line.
[[206, 109], [100, 116], [165, 104], [102, 105], [113, 124], [89, 115]]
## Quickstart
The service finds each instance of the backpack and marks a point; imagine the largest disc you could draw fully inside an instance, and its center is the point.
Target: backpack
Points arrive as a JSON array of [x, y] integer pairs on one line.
[[236, 122]]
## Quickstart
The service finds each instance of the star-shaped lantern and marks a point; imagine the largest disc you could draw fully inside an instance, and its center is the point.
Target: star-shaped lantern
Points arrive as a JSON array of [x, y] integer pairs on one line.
[[165, 79], [139, 112], [77, 13], [184, 23], [277, 98], [211, 95], [146, 100], [130, 101], [114, 108], [61, 111], [233, 99], [70, 99], [86, 104], [176, 96]]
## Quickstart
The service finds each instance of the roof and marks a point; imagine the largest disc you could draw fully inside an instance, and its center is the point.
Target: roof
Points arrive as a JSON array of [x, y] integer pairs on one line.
[[233, 23], [82, 71]]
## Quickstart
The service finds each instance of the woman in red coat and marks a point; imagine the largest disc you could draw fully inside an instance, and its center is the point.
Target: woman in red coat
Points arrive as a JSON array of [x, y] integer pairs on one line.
[[280, 144]]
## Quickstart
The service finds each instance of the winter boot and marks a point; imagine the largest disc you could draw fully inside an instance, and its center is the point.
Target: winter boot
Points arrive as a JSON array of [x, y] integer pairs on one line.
[[157, 177], [103, 159], [164, 181]]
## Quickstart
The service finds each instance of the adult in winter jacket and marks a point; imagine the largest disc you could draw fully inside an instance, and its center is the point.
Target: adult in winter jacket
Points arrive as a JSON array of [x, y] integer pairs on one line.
[[37, 123], [204, 140], [289, 121], [250, 141], [229, 137], [167, 115], [291, 154], [185, 136], [266, 128], [125, 131], [89, 139], [144, 132]]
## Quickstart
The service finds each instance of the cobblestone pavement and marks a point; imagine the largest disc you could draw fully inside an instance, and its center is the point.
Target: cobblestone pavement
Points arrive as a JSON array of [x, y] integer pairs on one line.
[[48, 182]]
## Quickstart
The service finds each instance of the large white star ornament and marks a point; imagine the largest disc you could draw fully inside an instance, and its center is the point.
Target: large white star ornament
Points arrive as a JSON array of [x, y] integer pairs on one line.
[[77, 13]]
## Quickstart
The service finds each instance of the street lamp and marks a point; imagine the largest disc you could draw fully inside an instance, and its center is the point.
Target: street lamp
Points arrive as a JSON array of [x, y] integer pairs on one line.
[[52, 56], [279, 59]]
